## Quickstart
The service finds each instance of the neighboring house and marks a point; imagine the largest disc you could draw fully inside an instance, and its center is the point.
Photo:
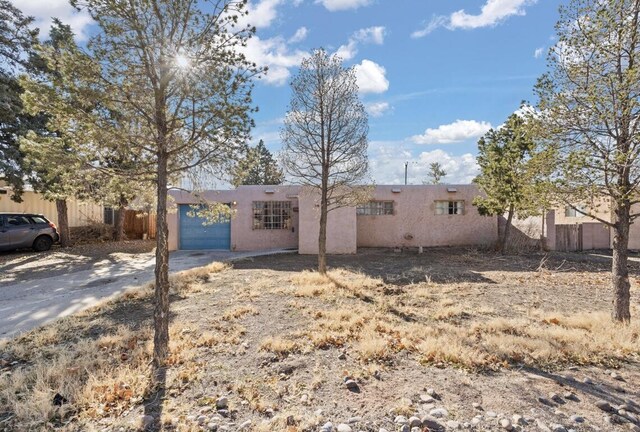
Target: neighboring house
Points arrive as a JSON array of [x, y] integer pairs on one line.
[[80, 213], [267, 217]]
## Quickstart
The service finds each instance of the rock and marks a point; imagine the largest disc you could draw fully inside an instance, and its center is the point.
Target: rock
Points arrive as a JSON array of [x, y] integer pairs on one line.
[[439, 413], [576, 419], [205, 410], [570, 396], [558, 428], [352, 385], [477, 406], [431, 392], [615, 376], [222, 403], [560, 413], [556, 398], [416, 429], [614, 419], [212, 426], [146, 420], [587, 380], [327, 427], [405, 428], [343, 427], [202, 419], [505, 423], [545, 401], [476, 421], [451, 424], [401, 420], [634, 428], [491, 414], [414, 421], [245, 425], [353, 420], [542, 426], [431, 423], [629, 416], [518, 420], [191, 418], [629, 407], [425, 398], [604, 406], [382, 430], [304, 398], [342, 356]]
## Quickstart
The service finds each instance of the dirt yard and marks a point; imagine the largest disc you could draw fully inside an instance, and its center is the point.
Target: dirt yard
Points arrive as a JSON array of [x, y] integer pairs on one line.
[[450, 339]]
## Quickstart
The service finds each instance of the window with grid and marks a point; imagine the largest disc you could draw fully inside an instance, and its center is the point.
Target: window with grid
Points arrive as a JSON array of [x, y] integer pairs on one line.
[[375, 208], [271, 215], [449, 207]]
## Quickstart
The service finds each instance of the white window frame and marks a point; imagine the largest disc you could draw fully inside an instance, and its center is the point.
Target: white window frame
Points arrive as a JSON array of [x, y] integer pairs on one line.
[[376, 208], [450, 208], [574, 212]]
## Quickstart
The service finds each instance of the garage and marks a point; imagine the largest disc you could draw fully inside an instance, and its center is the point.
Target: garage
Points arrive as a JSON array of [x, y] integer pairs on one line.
[[195, 235]]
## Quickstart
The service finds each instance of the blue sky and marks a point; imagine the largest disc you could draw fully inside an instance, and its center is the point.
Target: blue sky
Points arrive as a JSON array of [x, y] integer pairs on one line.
[[434, 75]]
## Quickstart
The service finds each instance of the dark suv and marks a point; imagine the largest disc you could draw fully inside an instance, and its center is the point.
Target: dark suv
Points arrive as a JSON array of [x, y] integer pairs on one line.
[[24, 230]]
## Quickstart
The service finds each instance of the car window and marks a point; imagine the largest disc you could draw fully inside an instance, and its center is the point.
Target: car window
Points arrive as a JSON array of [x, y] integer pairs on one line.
[[18, 220], [39, 220], [1, 220]]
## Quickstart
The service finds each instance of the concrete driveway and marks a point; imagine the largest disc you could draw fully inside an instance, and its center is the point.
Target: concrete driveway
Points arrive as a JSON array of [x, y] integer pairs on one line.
[[31, 303]]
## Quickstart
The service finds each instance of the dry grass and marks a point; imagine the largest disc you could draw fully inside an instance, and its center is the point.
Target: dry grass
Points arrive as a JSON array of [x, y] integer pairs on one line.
[[280, 346]]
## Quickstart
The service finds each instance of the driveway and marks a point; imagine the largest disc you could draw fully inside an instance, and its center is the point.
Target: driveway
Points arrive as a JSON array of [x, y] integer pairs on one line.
[[37, 300]]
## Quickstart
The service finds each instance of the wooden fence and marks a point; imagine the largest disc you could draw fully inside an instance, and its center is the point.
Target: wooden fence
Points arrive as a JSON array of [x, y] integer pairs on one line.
[[137, 223], [580, 237]]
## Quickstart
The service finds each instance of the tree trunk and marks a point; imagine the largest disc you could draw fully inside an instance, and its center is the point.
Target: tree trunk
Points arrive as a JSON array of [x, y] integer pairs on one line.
[[507, 228], [161, 310], [322, 235], [118, 234], [619, 270], [63, 223]]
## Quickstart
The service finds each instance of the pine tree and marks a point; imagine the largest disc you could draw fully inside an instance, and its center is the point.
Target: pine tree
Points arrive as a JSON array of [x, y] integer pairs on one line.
[[258, 168]]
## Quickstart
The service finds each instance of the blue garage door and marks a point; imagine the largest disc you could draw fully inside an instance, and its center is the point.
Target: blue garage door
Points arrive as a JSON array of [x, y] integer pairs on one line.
[[194, 235]]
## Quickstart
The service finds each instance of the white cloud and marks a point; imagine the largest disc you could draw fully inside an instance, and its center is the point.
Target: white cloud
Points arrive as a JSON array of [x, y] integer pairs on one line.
[[337, 5], [261, 14], [377, 109], [276, 55], [458, 131], [538, 52], [371, 77], [374, 35], [492, 13], [387, 160], [44, 11], [300, 35]]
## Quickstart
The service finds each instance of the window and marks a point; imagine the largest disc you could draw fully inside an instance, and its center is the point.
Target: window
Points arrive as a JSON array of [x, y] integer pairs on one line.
[[271, 215], [572, 212], [449, 207], [39, 220], [375, 208], [18, 220], [108, 218]]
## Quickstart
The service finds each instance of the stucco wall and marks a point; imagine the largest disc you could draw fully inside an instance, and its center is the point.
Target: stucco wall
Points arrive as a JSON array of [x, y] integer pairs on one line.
[[595, 236], [415, 223], [341, 227], [243, 236], [80, 213]]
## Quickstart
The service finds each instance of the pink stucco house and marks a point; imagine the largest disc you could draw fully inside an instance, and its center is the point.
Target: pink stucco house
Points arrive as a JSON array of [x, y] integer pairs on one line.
[[268, 217]]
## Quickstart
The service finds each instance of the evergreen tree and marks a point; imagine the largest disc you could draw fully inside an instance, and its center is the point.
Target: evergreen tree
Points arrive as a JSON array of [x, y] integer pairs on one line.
[[16, 42], [510, 174], [258, 168], [436, 173]]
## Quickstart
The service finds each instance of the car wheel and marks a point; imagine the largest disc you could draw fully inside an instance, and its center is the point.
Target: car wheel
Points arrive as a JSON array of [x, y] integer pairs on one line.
[[42, 243]]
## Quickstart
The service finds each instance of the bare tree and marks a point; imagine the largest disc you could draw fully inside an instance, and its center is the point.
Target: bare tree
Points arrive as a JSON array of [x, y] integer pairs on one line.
[[325, 137]]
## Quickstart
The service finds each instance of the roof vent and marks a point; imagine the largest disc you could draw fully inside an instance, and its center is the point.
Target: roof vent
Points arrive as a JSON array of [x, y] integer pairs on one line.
[[269, 191], [452, 190], [396, 190]]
